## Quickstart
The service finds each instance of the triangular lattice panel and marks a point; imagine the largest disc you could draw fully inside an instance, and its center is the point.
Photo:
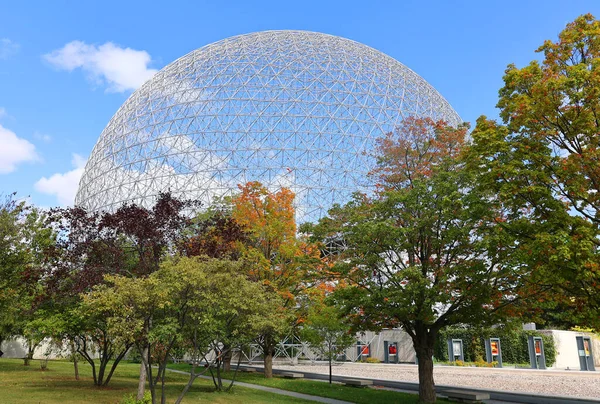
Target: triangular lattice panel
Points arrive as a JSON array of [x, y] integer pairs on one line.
[[286, 108]]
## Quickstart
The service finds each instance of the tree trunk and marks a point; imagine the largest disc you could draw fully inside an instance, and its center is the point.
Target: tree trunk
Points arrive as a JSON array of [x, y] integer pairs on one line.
[[187, 386], [82, 350], [268, 354], [424, 342], [101, 369], [235, 373], [116, 361], [163, 393], [227, 358], [330, 368], [76, 366], [142, 380], [148, 371], [75, 363], [30, 350], [426, 383], [219, 378]]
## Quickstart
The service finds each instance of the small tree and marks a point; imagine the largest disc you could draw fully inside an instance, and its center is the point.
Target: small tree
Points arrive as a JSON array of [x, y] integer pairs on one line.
[[194, 303], [131, 241], [24, 237], [274, 257], [64, 327], [215, 234], [327, 332]]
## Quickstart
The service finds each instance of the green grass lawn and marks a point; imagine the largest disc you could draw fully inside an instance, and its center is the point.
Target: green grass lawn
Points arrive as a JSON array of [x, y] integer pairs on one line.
[[57, 385], [323, 389], [29, 384]]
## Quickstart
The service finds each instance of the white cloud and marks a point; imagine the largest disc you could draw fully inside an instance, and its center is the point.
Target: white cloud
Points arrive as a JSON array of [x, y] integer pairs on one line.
[[8, 48], [63, 186], [14, 150], [121, 69], [42, 136]]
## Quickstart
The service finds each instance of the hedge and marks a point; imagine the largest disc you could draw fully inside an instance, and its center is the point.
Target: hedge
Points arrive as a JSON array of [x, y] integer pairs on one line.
[[513, 343]]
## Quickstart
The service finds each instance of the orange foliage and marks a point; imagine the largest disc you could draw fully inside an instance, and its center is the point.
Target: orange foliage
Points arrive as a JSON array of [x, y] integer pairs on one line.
[[414, 149], [268, 216], [275, 256], [272, 252]]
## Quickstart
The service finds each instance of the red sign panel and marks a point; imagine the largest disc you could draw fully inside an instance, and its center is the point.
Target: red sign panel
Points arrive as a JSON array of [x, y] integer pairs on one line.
[[392, 349], [538, 347], [495, 350]]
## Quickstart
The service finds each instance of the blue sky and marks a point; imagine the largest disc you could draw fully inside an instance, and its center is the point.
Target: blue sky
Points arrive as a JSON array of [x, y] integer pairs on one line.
[[56, 95]]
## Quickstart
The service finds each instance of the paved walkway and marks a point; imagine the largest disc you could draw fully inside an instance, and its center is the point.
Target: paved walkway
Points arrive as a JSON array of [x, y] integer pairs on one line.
[[275, 391], [317, 398], [461, 381], [555, 383]]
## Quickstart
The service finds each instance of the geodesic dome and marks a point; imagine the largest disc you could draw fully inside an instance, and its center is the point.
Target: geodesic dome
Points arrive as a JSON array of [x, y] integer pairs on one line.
[[287, 108]]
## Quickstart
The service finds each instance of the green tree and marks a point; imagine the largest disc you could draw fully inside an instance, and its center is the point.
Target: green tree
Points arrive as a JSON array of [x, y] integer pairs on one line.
[[327, 332], [543, 166], [216, 234], [131, 241], [425, 251], [24, 237], [196, 304], [13, 261]]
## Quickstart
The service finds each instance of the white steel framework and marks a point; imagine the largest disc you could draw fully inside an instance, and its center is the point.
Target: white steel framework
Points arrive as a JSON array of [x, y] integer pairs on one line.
[[290, 109]]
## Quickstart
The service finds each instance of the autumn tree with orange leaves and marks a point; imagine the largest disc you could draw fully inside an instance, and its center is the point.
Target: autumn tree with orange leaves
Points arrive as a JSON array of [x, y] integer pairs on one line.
[[275, 257], [425, 251]]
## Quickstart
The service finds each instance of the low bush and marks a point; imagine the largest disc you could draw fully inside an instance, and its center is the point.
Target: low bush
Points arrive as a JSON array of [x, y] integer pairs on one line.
[[132, 399]]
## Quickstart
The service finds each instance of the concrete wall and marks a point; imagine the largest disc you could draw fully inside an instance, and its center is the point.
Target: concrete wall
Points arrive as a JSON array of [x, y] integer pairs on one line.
[[565, 342], [596, 349], [566, 348], [16, 348], [406, 353], [13, 349]]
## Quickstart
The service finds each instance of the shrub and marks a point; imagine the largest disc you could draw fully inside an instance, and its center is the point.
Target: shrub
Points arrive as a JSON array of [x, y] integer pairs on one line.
[[131, 399], [513, 343]]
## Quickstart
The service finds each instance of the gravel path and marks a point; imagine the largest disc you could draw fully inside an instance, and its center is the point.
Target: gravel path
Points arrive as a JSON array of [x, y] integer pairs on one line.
[[546, 382]]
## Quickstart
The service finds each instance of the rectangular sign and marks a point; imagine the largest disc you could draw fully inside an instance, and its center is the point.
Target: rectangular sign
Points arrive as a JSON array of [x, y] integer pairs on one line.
[[456, 348], [494, 345], [392, 349], [586, 347]]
